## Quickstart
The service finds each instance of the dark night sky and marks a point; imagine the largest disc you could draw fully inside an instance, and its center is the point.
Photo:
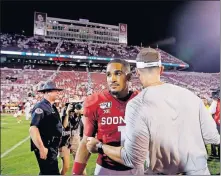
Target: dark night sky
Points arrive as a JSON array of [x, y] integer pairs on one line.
[[148, 22]]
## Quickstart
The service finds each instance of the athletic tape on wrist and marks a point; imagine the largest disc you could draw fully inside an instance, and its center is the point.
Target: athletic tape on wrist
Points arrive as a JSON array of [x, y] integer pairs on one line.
[[78, 168]]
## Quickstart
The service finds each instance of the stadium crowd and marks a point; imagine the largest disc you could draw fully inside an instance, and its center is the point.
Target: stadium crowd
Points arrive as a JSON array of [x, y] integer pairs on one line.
[[17, 84], [31, 44]]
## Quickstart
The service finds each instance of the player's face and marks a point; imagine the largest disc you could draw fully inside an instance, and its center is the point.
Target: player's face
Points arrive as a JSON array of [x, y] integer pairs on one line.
[[116, 78]]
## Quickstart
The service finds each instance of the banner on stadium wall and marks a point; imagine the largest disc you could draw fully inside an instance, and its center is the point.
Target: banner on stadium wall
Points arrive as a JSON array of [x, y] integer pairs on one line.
[[123, 33], [40, 23]]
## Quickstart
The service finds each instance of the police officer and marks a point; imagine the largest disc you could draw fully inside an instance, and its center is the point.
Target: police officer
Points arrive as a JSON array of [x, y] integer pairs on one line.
[[46, 130]]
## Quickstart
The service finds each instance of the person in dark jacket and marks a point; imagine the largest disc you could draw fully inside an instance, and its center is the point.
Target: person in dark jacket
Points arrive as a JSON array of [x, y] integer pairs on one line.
[[72, 127], [46, 130]]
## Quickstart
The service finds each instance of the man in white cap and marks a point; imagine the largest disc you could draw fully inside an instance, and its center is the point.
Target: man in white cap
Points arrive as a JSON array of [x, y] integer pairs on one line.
[[169, 122]]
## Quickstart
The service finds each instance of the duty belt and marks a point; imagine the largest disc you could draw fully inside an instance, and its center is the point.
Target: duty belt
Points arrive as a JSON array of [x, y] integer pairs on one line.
[[54, 142]]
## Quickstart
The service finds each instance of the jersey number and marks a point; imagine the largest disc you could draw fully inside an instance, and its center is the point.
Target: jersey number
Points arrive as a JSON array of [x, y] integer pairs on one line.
[[122, 131]]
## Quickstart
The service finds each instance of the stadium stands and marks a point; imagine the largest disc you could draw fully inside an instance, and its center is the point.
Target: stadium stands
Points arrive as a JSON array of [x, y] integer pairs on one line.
[[17, 83], [76, 83], [31, 44]]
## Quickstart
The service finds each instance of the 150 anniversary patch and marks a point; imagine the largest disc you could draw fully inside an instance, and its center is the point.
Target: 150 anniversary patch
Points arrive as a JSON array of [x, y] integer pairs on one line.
[[105, 105]]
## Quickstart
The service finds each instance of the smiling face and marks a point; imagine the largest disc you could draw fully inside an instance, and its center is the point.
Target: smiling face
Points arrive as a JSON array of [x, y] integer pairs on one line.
[[116, 78]]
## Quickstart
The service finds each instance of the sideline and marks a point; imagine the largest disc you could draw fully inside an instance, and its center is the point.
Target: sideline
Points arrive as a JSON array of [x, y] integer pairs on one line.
[[14, 147]]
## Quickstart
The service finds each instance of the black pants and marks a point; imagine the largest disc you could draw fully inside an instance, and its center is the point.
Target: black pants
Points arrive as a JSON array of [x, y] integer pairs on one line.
[[50, 165], [215, 149]]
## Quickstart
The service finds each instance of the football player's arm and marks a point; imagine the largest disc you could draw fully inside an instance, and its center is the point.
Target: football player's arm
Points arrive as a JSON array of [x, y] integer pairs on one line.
[[112, 152], [83, 154], [37, 116], [81, 157]]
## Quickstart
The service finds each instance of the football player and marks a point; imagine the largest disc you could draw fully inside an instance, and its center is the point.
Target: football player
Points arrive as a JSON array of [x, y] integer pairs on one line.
[[104, 116]]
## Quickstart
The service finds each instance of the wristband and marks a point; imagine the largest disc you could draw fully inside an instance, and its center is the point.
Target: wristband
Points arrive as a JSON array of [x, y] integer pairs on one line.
[[78, 168], [99, 148]]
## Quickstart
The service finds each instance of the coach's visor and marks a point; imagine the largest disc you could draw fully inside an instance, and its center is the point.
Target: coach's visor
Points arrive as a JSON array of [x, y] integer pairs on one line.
[[149, 64]]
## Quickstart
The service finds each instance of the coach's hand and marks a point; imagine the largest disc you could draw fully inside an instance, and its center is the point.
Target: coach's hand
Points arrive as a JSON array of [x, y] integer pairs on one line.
[[43, 153], [91, 144]]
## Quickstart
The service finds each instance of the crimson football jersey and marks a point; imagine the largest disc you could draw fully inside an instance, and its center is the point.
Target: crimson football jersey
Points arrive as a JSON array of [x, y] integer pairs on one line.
[[104, 114], [217, 114]]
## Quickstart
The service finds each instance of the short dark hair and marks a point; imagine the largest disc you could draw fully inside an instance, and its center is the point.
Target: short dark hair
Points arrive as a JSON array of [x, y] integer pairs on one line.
[[123, 62]]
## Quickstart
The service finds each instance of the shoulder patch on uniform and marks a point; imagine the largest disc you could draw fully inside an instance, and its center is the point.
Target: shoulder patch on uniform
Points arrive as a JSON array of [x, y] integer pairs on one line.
[[38, 111]]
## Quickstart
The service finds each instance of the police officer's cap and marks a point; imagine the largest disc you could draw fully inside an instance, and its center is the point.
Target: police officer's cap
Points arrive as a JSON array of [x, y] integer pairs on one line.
[[49, 86], [40, 87]]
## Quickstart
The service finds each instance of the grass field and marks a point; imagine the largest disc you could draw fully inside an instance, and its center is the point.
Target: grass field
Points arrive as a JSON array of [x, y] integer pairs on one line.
[[21, 161]]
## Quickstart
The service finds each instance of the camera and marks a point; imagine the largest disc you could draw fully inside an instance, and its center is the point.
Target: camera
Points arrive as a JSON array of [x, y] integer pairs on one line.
[[66, 106], [76, 105]]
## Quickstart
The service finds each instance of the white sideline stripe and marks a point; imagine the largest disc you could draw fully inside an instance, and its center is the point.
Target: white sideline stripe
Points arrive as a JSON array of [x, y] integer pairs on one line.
[[14, 147], [4, 123]]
